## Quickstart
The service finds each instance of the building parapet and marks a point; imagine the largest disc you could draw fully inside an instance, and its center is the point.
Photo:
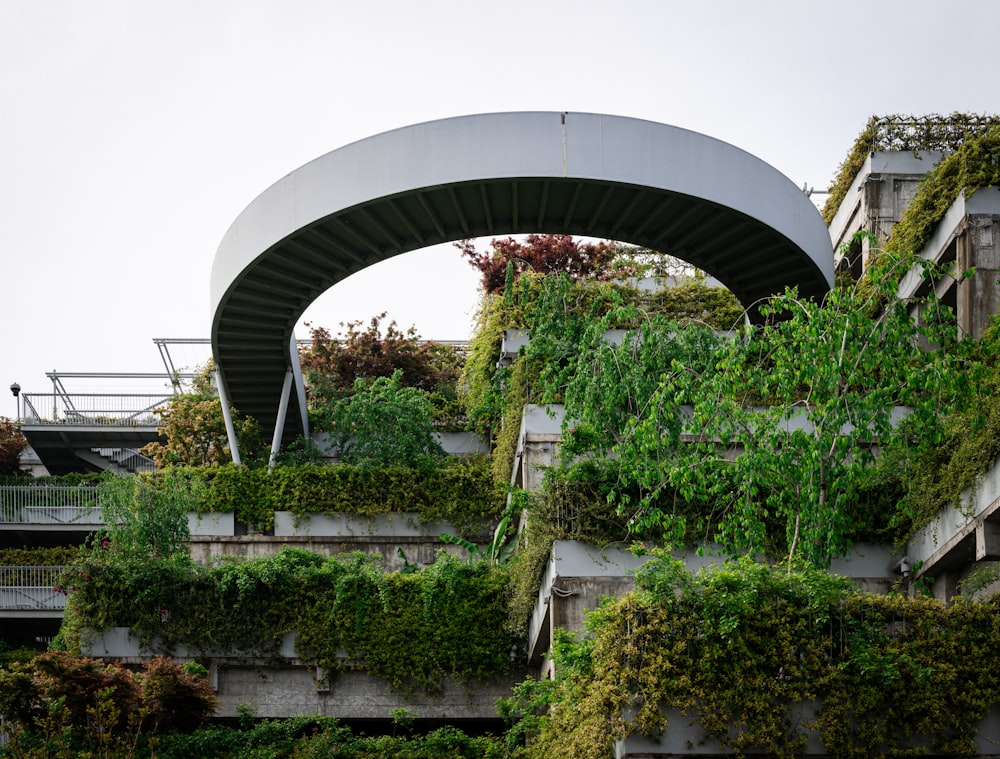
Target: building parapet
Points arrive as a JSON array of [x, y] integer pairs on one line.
[[960, 537], [31, 591]]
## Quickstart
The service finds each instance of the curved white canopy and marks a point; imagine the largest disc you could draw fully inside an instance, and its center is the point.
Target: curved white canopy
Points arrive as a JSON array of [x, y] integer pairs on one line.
[[635, 181]]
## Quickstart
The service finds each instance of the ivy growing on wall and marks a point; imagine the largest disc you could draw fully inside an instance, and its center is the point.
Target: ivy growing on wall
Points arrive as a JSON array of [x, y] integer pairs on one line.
[[758, 657], [904, 133], [411, 629]]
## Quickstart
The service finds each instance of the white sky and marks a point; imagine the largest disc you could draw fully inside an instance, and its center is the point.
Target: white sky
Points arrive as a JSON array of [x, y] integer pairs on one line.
[[133, 133]]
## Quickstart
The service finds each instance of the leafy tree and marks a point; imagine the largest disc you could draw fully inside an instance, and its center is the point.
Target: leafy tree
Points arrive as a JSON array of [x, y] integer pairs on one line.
[[61, 702], [195, 429], [12, 442], [331, 366], [542, 254], [788, 421], [384, 424], [147, 517]]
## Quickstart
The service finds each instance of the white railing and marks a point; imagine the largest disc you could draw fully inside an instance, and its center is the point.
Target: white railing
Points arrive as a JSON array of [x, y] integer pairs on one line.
[[32, 588], [93, 410], [55, 504]]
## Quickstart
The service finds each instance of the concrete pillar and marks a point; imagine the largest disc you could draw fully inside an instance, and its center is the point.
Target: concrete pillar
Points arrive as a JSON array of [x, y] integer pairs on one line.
[[946, 585], [978, 296], [987, 541]]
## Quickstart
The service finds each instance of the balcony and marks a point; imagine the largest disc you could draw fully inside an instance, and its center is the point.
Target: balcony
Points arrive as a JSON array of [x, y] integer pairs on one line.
[[30, 592], [91, 431], [49, 508]]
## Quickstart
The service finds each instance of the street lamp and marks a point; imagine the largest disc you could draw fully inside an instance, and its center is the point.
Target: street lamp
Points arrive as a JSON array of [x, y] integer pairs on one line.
[[16, 390]]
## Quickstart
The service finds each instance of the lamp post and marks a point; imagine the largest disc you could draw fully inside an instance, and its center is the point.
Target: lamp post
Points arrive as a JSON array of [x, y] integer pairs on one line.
[[16, 390]]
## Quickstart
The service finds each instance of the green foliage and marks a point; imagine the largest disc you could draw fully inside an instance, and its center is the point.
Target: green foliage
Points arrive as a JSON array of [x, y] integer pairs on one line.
[[332, 368], [742, 649], [904, 133], [787, 420], [412, 630], [53, 556], [459, 491], [564, 317], [693, 301], [73, 479], [384, 424], [147, 516], [499, 550], [574, 503], [974, 164], [308, 737], [939, 463], [195, 429], [58, 700]]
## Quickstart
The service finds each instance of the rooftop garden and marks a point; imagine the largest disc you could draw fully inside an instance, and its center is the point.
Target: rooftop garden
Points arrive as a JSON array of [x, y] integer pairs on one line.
[[826, 425]]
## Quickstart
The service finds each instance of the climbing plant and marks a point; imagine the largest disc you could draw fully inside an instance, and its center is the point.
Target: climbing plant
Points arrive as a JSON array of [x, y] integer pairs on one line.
[[785, 424], [383, 423], [759, 657], [451, 614], [899, 132]]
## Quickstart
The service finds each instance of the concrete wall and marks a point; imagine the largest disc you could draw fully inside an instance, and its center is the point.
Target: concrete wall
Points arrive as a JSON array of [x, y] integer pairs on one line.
[[879, 195], [684, 738], [297, 691], [290, 688], [978, 248], [418, 550]]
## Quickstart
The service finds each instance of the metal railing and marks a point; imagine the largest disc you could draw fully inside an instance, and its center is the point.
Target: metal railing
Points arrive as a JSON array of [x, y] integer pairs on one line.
[[31, 588], [49, 504], [93, 410], [128, 458]]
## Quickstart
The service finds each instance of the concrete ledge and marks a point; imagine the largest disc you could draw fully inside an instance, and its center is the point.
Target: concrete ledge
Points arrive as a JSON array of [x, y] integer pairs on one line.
[[351, 694], [579, 575], [212, 523], [961, 533], [286, 524], [685, 738], [294, 689]]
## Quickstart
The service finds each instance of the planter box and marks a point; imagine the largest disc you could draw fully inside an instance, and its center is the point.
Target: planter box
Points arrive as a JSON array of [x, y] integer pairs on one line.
[[212, 523], [684, 737], [352, 525], [121, 643]]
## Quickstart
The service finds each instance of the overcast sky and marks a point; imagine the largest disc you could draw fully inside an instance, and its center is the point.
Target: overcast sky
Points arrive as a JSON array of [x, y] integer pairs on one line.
[[133, 132]]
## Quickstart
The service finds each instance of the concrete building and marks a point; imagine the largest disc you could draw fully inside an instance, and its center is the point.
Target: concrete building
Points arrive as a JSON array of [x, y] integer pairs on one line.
[[489, 175]]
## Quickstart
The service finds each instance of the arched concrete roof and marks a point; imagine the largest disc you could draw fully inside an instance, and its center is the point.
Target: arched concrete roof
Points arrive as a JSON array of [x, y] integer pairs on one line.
[[635, 181]]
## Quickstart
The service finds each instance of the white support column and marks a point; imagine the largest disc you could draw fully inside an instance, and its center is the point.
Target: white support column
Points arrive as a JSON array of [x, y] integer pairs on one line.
[[234, 448], [300, 386], [279, 423]]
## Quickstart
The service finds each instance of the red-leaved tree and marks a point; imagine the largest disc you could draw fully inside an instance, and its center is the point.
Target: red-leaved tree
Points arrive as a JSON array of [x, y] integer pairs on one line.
[[542, 254], [12, 442]]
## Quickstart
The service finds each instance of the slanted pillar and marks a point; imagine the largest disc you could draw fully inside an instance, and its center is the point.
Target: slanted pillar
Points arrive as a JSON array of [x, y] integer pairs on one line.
[[279, 423], [227, 416], [300, 386]]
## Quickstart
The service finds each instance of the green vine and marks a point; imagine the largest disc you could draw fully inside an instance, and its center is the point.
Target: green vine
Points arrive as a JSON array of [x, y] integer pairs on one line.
[[459, 491], [973, 165], [412, 630], [760, 656], [55, 556], [904, 133]]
